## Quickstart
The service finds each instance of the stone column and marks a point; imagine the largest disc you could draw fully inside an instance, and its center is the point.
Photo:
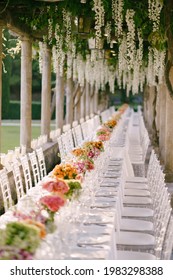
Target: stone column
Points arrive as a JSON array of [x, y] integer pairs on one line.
[[87, 99], [158, 109], [26, 93], [69, 101], [149, 115], [1, 27], [82, 103], [77, 105], [162, 120], [46, 93], [169, 138], [59, 101]]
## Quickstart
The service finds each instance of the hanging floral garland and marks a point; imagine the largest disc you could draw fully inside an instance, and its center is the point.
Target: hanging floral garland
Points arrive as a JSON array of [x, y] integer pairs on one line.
[[154, 10], [58, 52], [117, 16], [67, 26], [131, 47], [99, 21], [42, 50], [122, 61], [108, 32], [150, 69], [81, 70], [69, 64], [137, 65]]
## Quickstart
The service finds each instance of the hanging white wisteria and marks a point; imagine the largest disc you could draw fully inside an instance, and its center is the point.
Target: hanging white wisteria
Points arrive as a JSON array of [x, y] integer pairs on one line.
[[139, 53], [42, 50], [122, 61], [135, 78], [59, 55], [67, 26], [54, 59], [50, 31], [154, 10], [161, 67], [129, 83], [81, 70], [150, 69], [117, 15], [99, 21], [131, 47], [69, 64], [124, 79], [88, 69], [142, 79], [108, 32], [111, 80], [156, 67], [73, 49], [137, 65]]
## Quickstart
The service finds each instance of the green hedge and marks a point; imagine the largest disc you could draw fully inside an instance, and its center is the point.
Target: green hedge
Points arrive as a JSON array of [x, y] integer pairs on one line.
[[14, 110]]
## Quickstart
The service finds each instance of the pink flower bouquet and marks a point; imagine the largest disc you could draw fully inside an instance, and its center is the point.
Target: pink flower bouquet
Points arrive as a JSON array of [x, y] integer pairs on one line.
[[56, 186], [52, 202]]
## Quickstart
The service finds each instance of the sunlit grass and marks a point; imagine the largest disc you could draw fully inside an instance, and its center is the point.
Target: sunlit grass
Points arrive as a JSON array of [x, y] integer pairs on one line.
[[10, 137]]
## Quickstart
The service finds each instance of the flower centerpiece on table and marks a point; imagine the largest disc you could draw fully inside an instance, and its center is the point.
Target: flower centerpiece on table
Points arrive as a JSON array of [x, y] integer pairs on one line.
[[51, 203], [56, 186], [93, 148], [69, 173], [19, 240], [103, 133], [110, 124]]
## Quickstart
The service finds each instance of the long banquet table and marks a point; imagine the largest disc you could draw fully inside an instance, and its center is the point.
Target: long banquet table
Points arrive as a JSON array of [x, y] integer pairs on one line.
[[85, 227]]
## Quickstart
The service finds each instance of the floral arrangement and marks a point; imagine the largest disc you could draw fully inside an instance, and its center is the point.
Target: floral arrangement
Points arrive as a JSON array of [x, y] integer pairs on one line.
[[13, 253], [56, 186], [93, 148], [51, 204], [21, 235], [110, 123], [84, 164], [69, 173], [64, 171], [78, 152], [103, 133]]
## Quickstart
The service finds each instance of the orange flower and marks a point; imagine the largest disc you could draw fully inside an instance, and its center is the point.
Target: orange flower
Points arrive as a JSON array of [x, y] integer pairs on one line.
[[65, 171], [39, 225]]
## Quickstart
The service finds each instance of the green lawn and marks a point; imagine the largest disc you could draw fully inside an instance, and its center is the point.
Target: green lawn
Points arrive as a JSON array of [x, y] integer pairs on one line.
[[10, 137]]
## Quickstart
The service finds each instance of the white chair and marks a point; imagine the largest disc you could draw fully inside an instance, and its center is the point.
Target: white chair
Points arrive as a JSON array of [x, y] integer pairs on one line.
[[66, 127], [26, 172], [62, 151], [41, 162], [18, 180], [34, 167], [5, 189], [81, 120], [74, 123], [77, 134]]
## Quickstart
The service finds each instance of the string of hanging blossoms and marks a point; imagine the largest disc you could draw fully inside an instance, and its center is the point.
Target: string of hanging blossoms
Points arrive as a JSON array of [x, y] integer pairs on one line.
[[99, 21], [117, 16]]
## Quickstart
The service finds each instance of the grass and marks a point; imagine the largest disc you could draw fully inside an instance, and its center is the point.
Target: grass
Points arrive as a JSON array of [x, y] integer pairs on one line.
[[10, 137]]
